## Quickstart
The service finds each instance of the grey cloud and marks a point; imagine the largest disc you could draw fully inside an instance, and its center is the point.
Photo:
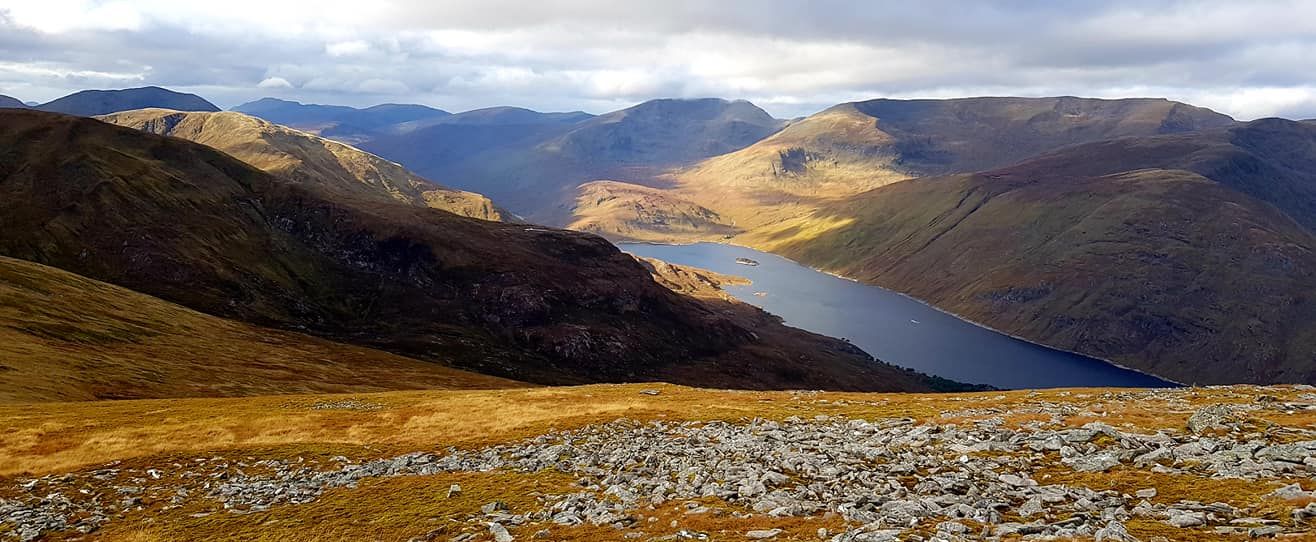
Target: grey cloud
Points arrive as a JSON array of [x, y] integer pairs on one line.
[[1247, 59]]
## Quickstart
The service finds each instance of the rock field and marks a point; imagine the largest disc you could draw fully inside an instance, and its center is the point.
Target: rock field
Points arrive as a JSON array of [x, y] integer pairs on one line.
[[883, 479]]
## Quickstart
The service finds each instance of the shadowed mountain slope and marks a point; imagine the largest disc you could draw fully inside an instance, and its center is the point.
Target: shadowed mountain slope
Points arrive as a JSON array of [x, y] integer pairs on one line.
[[855, 147], [1188, 256], [69, 338], [89, 103], [533, 169], [339, 121], [193, 226], [11, 102], [330, 166]]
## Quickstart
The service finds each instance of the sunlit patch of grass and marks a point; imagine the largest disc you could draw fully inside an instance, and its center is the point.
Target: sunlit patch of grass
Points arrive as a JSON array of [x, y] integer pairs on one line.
[[382, 509]]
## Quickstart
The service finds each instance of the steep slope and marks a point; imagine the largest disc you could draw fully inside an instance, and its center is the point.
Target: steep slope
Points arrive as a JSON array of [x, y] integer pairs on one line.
[[855, 147], [628, 211], [339, 121], [11, 102], [665, 132], [68, 338], [100, 102], [333, 167], [194, 226], [935, 137], [533, 169], [1187, 256]]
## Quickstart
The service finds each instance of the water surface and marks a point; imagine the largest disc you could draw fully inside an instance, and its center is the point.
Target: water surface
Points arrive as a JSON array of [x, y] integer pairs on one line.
[[893, 327]]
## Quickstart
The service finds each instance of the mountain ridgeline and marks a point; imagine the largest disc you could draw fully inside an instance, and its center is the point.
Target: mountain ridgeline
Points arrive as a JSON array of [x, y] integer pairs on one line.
[[9, 102], [100, 102], [193, 226], [1162, 236], [533, 165], [348, 124], [328, 166]]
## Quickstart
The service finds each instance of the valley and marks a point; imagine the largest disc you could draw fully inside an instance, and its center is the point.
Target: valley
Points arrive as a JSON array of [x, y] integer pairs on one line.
[[888, 320], [892, 327]]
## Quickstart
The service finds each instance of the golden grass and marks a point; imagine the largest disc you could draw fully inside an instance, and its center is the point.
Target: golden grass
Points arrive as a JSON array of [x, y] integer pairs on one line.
[[57, 437], [64, 337], [384, 509], [306, 158]]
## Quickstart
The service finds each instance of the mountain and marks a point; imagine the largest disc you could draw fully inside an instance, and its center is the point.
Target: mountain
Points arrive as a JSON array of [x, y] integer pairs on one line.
[[340, 122], [69, 338], [533, 168], [665, 132], [100, 102], [11, 103], [1189, 256], [299, 157], [193, 226], [629, 211], [855, 147], [513, 115]]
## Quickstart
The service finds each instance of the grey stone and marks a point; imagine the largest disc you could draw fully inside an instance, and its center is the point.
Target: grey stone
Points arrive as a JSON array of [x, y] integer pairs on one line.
[[499, 533]]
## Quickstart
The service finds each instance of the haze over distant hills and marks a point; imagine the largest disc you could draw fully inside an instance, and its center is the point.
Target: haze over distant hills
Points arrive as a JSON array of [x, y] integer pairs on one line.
[[533, 168], [1067, 221], [194, 226], [324, 165], [337, 121], [100, 102]]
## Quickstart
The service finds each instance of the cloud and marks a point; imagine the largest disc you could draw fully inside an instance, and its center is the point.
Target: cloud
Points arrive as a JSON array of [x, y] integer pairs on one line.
[[274, 82], [1248, 59], [347, 48]]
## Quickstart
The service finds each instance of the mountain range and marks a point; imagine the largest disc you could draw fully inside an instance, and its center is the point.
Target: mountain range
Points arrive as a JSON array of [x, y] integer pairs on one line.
[[533, 165], [303, 158], [195, 227], [348, 124], [1161, 236]]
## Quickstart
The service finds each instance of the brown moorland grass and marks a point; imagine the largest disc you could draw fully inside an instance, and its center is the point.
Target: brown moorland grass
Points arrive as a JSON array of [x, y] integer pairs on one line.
[[59, 437], [64, 337]]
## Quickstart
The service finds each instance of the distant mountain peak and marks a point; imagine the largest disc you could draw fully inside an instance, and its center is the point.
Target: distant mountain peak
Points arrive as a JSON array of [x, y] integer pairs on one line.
[[11, 102], [89, 103]]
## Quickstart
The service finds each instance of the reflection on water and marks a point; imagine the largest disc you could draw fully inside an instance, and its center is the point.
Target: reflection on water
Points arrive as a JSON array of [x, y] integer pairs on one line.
[[892, 327]]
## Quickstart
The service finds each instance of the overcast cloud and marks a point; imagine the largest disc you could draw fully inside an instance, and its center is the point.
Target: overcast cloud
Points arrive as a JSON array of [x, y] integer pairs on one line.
[[1247, 59]]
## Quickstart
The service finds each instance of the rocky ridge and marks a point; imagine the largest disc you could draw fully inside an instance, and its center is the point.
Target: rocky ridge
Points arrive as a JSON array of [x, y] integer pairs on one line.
[[881, 479]]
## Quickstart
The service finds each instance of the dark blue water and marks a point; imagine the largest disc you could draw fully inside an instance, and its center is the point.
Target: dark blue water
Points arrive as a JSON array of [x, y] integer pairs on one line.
[[895, 328]]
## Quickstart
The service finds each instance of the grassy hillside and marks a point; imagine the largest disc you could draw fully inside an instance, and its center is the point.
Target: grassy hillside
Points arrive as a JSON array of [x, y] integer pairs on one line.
[[194, 226], [629, 211], [100, 446], [317, 163], [854, 147], [68, 338], [1197, 274]]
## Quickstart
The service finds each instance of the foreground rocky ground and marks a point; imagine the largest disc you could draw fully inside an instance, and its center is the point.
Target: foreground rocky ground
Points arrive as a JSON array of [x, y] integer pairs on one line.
[[1185, 464]]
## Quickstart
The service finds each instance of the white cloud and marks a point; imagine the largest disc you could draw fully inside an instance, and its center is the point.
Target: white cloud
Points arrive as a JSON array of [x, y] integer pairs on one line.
[[274, 82], [1245, 58], [347, 48]]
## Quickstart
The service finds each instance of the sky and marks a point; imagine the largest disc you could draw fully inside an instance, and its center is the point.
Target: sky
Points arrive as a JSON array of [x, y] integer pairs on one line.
[[1249, 59]]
